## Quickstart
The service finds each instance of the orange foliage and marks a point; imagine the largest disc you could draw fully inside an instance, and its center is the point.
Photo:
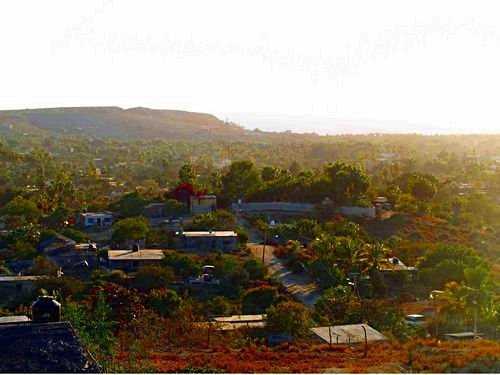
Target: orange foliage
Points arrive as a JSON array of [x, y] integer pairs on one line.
[[416, 356]]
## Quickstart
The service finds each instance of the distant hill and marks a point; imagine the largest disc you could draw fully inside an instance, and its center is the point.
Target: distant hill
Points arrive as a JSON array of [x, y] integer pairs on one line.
[[114, 122]]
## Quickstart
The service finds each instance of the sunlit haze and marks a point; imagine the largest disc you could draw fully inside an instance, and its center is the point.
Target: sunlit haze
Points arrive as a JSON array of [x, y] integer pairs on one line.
[[305, 66]]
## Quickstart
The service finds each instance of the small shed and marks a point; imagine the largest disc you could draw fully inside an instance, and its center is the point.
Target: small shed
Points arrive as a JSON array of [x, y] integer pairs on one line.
[[462, 336], [232, 322], [347, 334]]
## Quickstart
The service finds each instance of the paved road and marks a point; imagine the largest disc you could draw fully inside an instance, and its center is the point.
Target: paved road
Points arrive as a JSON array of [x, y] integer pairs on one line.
[[298, 285]]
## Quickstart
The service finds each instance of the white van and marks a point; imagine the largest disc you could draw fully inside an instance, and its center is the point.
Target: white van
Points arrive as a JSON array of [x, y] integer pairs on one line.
[[415, 320]]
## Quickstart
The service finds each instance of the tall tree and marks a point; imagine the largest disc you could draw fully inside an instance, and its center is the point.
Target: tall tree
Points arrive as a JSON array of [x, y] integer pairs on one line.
[[290, 317], [131, 204], [132, 228], [347, 254], [422, 188], [240, 181], [349, 181], [21, 211]]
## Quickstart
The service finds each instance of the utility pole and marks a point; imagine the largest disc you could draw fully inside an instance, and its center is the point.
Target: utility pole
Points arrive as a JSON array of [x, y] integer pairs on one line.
[[365, 353], [271, 224]]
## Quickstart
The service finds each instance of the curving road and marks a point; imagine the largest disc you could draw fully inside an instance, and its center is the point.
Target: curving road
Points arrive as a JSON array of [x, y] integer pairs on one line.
[[297, 284]]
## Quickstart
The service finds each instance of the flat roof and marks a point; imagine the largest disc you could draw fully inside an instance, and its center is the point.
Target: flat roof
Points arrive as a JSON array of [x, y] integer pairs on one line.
[[145, 254], [11, 278], [415, 316], [217, 233], [240, 318], [227, 323], [85, 246], [14, 319], [232, 326], [96, 213], [463, 336]]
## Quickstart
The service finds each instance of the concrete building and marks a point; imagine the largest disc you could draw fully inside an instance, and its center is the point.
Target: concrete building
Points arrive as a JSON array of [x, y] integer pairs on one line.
[[201, 204], [207, 240], [94, 219], [128, 260]]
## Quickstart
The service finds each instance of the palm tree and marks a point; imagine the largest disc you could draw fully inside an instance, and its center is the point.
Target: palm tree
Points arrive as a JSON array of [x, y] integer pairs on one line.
[[468, 300], [372, 254], [371, 257], [347, 254]]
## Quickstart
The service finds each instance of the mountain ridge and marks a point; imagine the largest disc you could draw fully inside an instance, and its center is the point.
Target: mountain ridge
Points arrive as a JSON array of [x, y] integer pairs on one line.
[[116, 122]]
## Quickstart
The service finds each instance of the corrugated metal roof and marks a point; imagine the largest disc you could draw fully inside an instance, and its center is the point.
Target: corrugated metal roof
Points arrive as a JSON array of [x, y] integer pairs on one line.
[[227, 323], [233, 326], [14, 319], [44, 348], [240, 318], [348, 334], [94, 214], [13, 278], [145, 254], [218, 233]]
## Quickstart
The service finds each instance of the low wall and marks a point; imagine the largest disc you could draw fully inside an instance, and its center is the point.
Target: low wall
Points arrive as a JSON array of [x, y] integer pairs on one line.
[[299, 207], [272, 206], [358, 211]]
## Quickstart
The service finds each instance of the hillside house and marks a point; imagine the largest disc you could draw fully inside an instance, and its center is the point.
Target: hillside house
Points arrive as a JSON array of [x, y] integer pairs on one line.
[[201, 204], [382, 203], [128, 260], [154, 211], [15, 286], [56, 245], [394, 272], [65, 252], [87, 220], [207, 240]]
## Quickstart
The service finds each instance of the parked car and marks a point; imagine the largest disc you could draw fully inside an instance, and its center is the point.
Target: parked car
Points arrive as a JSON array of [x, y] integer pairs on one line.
[[415, 320]]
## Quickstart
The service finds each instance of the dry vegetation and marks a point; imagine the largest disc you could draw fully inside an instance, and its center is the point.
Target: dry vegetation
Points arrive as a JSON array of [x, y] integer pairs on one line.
[[415, 356]]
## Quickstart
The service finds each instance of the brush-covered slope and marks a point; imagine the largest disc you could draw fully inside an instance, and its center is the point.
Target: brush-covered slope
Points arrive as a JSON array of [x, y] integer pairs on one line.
[[114, 122]]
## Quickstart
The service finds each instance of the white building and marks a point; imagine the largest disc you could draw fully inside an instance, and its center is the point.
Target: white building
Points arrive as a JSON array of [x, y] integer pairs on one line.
[[94, 219]]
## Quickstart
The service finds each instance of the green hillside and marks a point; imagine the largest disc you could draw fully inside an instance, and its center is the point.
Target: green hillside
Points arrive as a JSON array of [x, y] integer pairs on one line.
[[114, 122]]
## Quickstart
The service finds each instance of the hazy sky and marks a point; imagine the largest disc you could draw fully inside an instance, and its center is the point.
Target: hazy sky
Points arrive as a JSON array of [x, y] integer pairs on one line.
[[432, 63]]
